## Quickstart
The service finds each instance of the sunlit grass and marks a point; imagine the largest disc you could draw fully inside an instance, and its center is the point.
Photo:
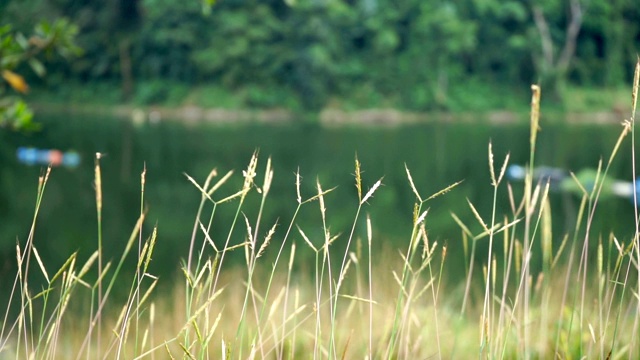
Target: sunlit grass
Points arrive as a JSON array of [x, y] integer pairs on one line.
[[370, 301]]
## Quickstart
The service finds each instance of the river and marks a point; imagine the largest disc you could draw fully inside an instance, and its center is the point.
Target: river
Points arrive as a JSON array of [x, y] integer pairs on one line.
[[438, 153]]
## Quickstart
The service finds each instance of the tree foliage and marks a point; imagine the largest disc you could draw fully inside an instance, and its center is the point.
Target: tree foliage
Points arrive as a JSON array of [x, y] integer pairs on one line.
[[412, 54], [17, 52]]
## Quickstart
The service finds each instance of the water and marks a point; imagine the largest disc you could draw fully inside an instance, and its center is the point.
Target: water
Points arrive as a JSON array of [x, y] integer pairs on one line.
[[437, 153]]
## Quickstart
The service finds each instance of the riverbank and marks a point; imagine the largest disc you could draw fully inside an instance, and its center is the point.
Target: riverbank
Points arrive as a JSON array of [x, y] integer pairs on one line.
[[202, 104], [193, 115]]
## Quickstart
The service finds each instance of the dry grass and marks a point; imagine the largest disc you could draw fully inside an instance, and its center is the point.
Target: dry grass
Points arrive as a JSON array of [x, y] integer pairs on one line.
[[366, 302]]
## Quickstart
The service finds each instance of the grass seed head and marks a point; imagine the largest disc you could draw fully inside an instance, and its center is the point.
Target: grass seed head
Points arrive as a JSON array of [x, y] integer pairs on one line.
[[358, 180], [267, 240], [494, 182], [411, 183], [250, 174], [299, 198], [371, 191], [268, 178], [634, 92]]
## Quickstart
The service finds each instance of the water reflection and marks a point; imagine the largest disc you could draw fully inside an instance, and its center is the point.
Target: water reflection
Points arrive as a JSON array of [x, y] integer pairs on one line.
[[438, 154]]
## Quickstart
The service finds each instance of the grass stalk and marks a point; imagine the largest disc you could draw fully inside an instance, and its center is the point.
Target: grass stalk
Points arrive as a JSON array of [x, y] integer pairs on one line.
[[98, 185]]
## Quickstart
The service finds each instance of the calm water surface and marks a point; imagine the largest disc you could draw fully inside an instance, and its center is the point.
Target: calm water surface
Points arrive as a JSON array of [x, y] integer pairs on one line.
[[437, 153]]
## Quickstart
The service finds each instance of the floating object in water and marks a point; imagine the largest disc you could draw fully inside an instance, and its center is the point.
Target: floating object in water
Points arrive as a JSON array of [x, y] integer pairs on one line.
[[554, 176], [561, 180], [54, 157]]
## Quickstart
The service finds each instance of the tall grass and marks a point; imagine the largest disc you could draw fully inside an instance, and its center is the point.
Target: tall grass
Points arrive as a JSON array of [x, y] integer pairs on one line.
[[370, 301]]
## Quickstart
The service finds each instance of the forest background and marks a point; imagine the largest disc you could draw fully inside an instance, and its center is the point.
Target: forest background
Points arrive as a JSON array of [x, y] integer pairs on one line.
[[309, 55]]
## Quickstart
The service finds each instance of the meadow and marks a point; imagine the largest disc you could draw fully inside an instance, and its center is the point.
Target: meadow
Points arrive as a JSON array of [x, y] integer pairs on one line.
[[531, 295]]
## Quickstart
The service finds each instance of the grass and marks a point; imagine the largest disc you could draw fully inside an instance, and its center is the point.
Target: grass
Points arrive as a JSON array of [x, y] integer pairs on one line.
[[371, 301]]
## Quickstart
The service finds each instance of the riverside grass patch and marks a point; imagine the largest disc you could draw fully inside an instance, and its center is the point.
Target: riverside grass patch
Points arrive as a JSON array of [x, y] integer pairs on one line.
[[366, 302]]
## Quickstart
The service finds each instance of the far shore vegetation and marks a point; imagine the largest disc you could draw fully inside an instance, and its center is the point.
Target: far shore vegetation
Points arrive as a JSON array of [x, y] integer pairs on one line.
[[307, 56], [211, 104]]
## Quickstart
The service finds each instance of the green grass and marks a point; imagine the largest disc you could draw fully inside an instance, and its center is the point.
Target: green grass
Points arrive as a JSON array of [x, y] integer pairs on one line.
[[371, 301]]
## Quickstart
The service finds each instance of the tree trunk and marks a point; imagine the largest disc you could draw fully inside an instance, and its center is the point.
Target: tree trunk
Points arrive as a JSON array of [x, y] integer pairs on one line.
[[553, 71], [125, 69]]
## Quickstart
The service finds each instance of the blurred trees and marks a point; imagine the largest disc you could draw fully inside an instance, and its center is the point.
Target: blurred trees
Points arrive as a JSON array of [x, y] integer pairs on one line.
[[19, 52], [413, 54], [553, 64]]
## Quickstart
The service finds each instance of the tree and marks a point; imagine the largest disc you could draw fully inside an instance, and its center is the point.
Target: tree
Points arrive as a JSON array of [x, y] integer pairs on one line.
[[310, 54], [553, 65], [17, 52]]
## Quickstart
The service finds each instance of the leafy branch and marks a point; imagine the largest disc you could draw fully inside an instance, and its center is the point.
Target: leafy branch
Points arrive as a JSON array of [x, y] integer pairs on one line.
[[16, 49]]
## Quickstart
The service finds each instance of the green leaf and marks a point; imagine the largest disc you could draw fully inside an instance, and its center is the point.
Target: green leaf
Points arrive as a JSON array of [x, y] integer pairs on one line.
[[22, 41], [37, 67]]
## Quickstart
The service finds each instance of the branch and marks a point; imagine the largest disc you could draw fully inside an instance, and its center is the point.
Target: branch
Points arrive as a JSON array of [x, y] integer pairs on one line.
[[545, 36], [573, 29]]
